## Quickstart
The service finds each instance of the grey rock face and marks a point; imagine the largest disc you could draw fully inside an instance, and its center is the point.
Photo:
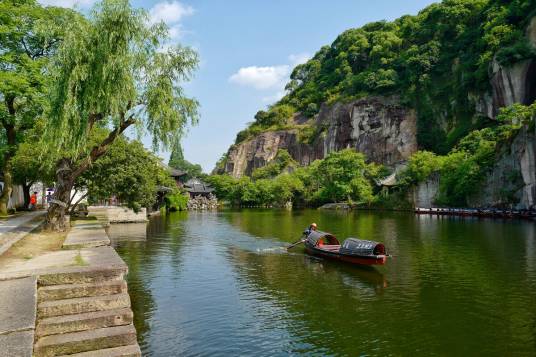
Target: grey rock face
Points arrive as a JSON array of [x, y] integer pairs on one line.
[[515, 84], [379, 127], [425, 193], [512, 181]]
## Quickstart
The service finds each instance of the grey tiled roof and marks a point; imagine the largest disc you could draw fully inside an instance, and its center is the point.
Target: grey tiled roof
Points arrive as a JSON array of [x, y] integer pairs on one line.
[[197, 186]]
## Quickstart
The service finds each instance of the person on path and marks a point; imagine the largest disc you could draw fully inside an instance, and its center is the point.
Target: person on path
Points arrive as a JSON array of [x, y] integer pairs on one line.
[[33, 201], [49, 198]]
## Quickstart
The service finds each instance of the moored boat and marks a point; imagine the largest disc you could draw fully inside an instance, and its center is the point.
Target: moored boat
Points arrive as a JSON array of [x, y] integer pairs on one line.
[[352, 250]]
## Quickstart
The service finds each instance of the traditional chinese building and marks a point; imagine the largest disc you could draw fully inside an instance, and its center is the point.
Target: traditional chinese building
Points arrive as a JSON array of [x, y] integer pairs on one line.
[[195, 187]]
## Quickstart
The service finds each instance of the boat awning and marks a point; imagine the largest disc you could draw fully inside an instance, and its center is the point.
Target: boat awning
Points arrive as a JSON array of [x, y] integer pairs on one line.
[[356, 246], [315, 236]]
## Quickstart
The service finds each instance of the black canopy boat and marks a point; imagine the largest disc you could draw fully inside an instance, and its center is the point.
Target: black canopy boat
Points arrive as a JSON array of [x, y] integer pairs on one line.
[[352, 250]]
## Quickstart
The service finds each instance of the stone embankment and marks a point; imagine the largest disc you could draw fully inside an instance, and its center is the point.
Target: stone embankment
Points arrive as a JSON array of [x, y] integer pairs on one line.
[[117, 214], [75, 301]]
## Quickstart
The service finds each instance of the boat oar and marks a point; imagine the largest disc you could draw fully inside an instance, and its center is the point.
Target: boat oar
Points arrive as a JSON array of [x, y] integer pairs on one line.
[[295, 243]]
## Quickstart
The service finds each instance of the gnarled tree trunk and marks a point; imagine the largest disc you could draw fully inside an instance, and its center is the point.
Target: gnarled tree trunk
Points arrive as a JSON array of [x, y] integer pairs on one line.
[[26, 192], [7, 189], [8, 155], [62, 194], [67, 173]]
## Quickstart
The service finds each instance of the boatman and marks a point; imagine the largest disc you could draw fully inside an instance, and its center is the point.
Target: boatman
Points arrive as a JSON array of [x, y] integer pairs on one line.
[[311, 228]]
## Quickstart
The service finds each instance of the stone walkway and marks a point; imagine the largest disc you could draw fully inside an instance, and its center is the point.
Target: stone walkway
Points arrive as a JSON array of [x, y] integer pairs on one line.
[[17, 312], [86, 234], [12, 223], [68, 302], [15, 228]]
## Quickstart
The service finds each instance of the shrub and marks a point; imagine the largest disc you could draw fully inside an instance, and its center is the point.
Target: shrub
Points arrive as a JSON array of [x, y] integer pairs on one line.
[[420, 166], [176, 201]]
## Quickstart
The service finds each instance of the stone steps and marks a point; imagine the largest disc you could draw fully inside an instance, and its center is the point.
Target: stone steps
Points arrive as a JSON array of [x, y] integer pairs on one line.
[[91, 276], [123, 351], [71, 291], [85, 341], [82, 305], [83, 322]]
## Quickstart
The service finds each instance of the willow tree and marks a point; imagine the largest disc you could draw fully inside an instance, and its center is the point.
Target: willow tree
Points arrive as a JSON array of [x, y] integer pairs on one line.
[[29, 36], [115, 70]]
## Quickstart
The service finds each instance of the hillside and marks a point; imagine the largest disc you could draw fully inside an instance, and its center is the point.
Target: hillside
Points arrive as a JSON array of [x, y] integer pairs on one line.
[[389, 89]]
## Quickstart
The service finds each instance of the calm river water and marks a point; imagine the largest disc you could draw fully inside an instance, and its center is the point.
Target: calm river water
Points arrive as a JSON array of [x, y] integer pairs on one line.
[[221, 283]]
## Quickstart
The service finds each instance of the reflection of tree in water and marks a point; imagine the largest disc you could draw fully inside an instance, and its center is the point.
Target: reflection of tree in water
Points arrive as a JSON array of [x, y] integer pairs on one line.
[[164, 234], [323, 299], [142, 301]]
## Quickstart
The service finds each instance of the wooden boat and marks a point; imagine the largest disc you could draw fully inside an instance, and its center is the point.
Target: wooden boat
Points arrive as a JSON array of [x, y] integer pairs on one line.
[[352, 250]]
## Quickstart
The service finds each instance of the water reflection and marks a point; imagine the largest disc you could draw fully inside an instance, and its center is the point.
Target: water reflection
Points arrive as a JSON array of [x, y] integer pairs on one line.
[[221, 283]]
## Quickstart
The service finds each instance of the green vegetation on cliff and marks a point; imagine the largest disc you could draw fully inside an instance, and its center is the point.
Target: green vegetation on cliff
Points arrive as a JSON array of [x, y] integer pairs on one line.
[[346, 176], [341, 176], [435, 61], [282, 161]]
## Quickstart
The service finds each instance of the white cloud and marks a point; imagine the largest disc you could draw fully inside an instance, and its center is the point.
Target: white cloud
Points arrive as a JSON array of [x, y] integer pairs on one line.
[[170, 12], [271, 78], [68, 3], [261, 77]]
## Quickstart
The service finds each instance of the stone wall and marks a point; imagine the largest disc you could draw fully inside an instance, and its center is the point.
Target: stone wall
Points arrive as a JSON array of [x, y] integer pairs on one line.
[[115, 214]]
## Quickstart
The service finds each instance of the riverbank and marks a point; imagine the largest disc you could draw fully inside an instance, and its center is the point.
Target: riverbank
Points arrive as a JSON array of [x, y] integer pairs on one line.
[[65, 294]]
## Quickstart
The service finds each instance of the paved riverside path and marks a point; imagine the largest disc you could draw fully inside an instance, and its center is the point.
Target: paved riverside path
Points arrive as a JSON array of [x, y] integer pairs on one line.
[[13, 229], [12, 223], [71, 301], [18, 312]]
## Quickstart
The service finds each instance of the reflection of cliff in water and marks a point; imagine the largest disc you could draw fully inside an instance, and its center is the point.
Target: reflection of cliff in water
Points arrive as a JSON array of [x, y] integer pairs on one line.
[[318, 296]]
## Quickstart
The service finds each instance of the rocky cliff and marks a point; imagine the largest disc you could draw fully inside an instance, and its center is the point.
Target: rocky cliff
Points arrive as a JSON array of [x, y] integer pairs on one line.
[[379, 127], [386, 132], [512, 181]]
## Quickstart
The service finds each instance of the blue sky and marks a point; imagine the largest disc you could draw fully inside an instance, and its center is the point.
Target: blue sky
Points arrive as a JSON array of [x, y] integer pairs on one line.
[[247, 50]]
